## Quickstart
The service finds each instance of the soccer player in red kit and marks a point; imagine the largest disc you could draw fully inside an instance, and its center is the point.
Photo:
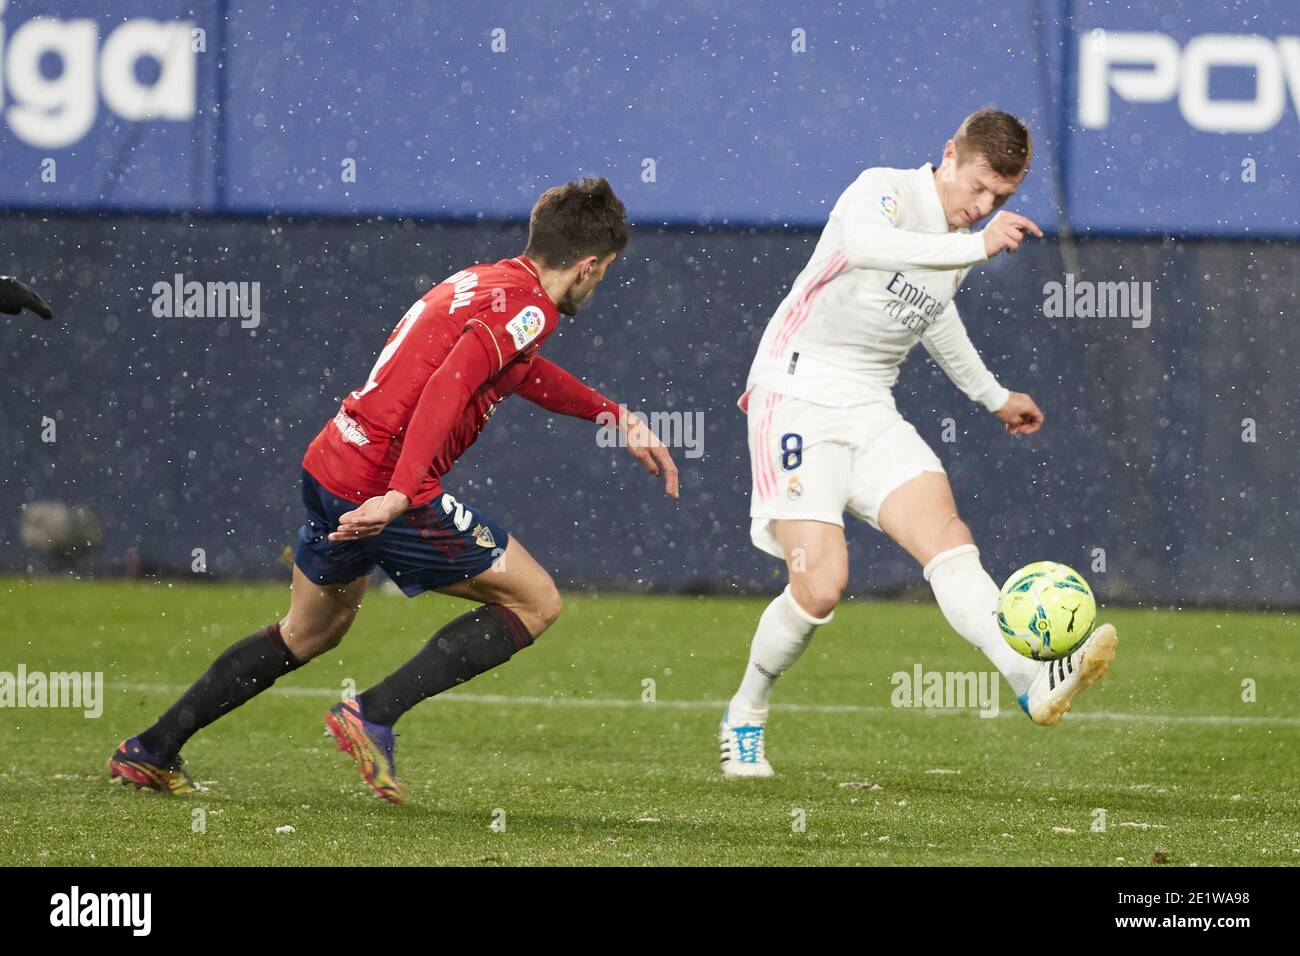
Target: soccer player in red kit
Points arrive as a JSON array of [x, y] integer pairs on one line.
[[372, 489]]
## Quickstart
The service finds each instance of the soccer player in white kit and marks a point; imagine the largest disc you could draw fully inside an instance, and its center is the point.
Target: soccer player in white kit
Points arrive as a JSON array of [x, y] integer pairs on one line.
[[825, 437]]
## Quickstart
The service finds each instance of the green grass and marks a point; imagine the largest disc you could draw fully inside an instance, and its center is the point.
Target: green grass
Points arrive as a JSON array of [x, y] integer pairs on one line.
[[619, 781]]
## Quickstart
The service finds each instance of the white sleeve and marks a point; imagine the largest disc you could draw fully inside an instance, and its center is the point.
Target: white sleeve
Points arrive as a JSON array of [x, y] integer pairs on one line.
[[950, 347], [872, 241]]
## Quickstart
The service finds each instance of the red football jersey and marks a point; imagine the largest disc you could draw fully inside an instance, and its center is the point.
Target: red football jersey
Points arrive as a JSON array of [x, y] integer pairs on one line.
[[505, 307]]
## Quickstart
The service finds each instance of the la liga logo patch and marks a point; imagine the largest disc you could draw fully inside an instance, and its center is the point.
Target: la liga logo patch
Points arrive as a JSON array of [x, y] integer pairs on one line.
[[889, 206], [526, 326]]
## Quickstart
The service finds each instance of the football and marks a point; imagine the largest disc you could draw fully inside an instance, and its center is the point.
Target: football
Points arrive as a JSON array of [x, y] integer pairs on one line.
[[1046, 610]]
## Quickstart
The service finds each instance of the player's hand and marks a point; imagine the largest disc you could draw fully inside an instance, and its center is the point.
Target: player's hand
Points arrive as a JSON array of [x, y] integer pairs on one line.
[[371, 517], [16, 296], [1006, 231], [1020, 414], [645, 446]]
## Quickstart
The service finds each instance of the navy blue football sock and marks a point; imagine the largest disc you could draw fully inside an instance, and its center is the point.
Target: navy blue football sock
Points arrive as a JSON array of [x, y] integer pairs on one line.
[[466, 647], [244, 670]]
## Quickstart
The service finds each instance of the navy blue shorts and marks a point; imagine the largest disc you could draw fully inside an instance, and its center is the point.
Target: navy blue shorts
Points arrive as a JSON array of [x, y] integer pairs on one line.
[[429, 547]]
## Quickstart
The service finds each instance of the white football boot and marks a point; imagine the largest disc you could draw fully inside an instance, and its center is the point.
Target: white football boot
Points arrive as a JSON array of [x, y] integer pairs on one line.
[[1056, 683], [742, 750]]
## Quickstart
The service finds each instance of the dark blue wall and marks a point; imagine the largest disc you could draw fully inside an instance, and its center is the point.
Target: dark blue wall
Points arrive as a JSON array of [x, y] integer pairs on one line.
[[186, 433]]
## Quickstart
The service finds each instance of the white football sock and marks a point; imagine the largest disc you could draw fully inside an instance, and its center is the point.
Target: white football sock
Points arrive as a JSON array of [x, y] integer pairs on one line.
[[783, 632], [969, 600]]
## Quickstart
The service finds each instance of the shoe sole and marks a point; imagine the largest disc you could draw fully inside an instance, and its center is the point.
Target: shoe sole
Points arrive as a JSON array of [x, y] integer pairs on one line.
[[1096, 664], [343, 736], [737, 775]]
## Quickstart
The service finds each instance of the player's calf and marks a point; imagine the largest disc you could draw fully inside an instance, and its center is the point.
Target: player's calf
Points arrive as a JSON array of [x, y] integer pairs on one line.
[[461, 650], [784, 632], [240, 673], [319, 616], [968, 598], [817, 561], [520, 601]]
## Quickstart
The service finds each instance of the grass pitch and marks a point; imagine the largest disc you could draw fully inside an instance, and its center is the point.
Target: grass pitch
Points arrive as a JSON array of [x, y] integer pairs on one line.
[[559, 757]]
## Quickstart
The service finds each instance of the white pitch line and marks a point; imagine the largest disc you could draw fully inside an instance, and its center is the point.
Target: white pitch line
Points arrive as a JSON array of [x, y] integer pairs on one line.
[[460, 697]]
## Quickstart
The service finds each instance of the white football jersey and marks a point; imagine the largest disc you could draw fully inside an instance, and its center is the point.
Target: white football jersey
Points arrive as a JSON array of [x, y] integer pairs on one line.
[[882, 277]]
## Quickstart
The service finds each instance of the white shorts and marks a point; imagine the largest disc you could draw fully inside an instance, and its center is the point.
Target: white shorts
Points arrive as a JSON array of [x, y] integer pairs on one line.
[[814, 462]]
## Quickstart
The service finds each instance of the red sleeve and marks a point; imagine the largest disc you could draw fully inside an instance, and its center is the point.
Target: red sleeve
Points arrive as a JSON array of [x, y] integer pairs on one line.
[[466, 367], [506, 333], [556, 390]]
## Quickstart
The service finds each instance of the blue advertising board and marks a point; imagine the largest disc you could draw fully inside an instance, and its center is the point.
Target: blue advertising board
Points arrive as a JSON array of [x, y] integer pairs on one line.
[[1159, 117], [108, 105], [1185, 118]]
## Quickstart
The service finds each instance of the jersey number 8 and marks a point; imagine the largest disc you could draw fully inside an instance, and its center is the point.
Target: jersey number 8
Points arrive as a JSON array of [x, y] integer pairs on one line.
[[791, 451]]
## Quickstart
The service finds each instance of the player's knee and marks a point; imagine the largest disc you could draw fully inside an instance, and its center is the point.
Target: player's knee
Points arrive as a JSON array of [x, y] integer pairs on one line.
[[314, 644], [304, 643], [549, 606], [953, 534], [542, 608], [819, 595], [332, 638]]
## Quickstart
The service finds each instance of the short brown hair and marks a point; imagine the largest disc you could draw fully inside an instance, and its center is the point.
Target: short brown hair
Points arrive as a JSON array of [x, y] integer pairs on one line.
[[1002, 139], [579, 219]]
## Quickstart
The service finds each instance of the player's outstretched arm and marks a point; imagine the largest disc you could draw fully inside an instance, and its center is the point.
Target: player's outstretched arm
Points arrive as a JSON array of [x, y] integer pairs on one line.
[[867, 215], [872, 244]]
